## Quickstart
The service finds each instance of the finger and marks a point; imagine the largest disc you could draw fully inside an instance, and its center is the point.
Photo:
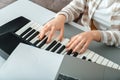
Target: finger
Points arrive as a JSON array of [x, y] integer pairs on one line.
[[43, 32], [61, 34], [84, 48], [79, 46], [71, 41], [72, 46], [51, 34]]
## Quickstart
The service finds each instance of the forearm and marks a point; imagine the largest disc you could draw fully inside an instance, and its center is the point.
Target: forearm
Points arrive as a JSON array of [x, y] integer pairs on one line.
[[61, 18], [111, 37], [73, 10]]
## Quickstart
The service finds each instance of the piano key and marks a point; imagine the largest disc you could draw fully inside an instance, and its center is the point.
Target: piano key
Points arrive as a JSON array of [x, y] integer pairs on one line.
[[23, 29], [105, 61], [34, 39], [95, 57], [26, 31], [38, 42], [51, 45], [30, 33], [75, 54], [61, 49], [43, 42], [90, 55], [110, 64], [115, 66], [84, 57], [32, 36], [46, 45], [56, 47], [84, 54], [100, 59], [33, 28], [119, 68], [69, 52]]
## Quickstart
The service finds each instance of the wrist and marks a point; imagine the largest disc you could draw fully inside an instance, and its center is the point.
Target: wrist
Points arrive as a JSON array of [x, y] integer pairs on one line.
[[96, 35], [61, 17]]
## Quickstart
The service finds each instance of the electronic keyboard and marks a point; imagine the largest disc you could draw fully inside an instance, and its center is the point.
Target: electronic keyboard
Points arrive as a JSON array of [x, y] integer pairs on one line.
[[11, 34]]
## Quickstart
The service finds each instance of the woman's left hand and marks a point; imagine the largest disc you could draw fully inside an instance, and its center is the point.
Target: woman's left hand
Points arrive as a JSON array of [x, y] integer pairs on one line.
[[80, 42]]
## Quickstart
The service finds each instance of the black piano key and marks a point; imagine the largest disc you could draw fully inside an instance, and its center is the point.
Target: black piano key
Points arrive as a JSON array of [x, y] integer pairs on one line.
[[69, 52], [27, 30], [30, 33], [84, 58], [51, 45], [56, 47], [89, 60], [42, 43], [34, 35], [36, 42], [61, 49], [75, 54]]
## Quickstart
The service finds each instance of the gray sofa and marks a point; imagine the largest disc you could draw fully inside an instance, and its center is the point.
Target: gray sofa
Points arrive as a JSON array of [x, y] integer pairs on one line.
[[54, 5]]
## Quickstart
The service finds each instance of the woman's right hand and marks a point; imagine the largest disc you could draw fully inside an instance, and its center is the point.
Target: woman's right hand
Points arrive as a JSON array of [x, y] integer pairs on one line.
[[56, 24]]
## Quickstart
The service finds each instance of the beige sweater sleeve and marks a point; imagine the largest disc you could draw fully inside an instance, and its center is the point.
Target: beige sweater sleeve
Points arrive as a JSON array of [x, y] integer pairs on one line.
[[109, 37], [73, 10]]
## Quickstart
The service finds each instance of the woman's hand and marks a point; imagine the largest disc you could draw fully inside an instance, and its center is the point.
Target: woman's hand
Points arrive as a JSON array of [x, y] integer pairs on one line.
[[56, 24], [80, 42]]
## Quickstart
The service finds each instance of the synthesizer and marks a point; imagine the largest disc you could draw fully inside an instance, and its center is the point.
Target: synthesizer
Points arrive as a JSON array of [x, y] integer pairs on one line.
[[28, 31]]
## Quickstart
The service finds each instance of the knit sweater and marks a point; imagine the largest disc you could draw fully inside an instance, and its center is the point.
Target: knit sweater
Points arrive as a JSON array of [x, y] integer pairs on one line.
[[87, 8]]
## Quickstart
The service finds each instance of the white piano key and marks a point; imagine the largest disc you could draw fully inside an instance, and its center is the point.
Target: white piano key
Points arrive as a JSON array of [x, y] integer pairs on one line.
[[119, 68], [30, 35], [90, 55], [85, 54], [26, 33], [115, 66], [64, 42], [105, 61], [34, 39], [46, 45], [20, 31], [100, 59], [41, 41], [95, 57], [110, 64], [64, 52], [33, 27], [39, 27]]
